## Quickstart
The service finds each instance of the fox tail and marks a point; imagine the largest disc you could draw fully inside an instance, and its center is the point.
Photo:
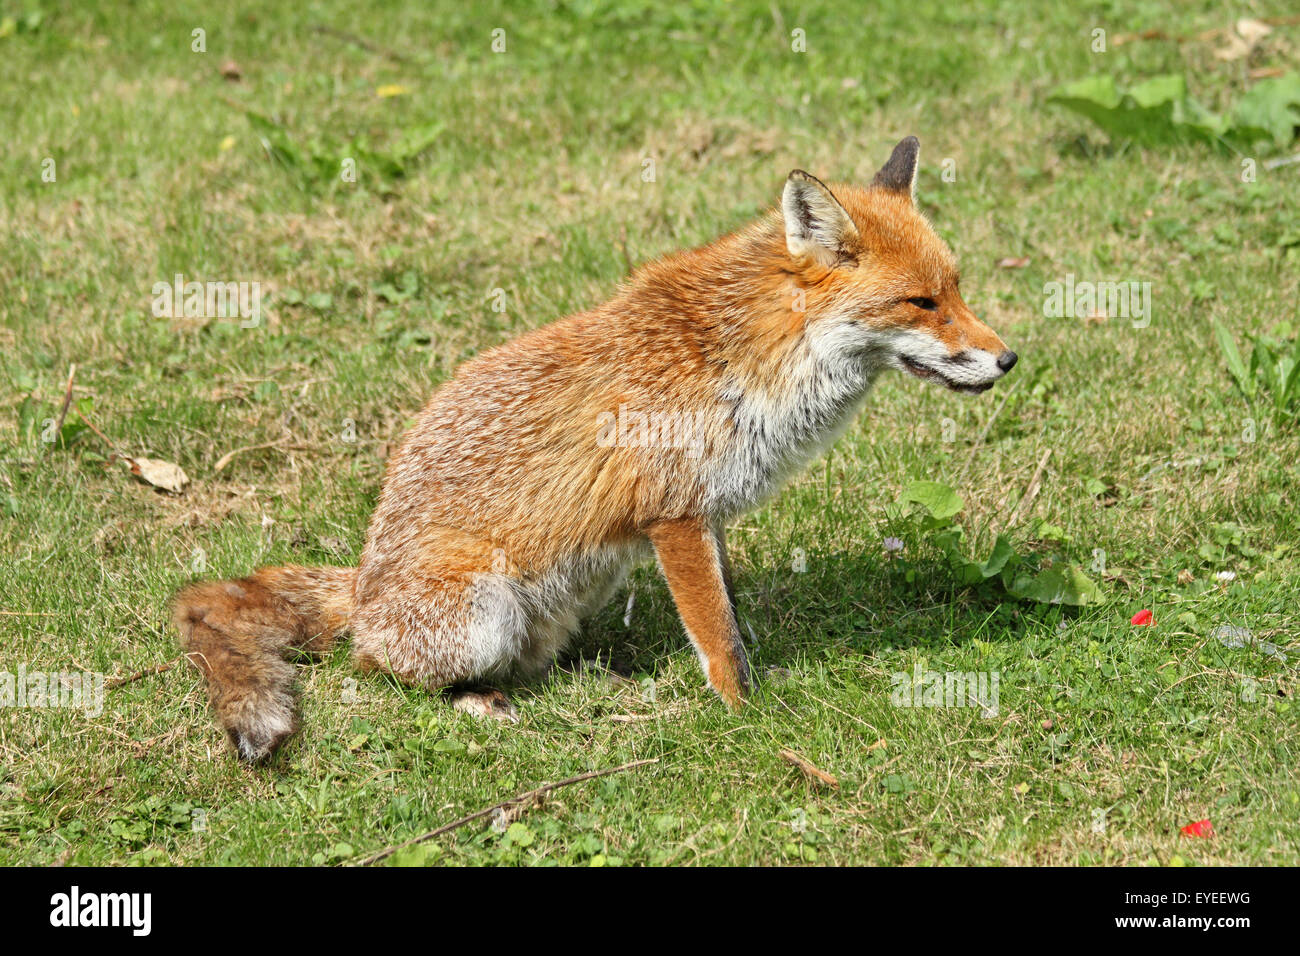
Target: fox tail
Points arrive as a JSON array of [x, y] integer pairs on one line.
[[239, 632]]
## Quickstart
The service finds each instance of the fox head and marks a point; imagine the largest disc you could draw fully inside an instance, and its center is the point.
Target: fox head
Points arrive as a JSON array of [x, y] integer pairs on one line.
[[880, 285]]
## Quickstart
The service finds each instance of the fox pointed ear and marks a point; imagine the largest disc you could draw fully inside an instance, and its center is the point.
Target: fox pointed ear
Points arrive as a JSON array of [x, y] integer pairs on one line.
[[899, 174], [815, 222]]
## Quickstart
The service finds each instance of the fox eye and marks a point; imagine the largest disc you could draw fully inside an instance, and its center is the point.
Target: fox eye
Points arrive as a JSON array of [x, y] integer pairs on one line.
[[924, 303]]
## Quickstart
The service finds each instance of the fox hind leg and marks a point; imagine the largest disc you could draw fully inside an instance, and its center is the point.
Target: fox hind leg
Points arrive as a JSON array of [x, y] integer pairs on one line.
[[439, 622]]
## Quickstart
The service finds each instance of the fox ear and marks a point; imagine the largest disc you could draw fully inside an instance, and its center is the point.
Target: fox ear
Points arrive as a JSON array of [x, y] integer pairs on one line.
[[815, 222], [899, 174]]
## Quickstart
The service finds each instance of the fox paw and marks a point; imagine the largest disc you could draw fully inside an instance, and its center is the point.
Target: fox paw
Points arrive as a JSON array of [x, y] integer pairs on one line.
[[486, 703]]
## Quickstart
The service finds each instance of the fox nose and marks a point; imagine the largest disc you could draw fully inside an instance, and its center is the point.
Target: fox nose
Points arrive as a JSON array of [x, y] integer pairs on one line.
[[1007, 360]]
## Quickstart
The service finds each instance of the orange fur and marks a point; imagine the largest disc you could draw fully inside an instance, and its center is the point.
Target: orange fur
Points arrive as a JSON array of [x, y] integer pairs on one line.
[[695, 567]]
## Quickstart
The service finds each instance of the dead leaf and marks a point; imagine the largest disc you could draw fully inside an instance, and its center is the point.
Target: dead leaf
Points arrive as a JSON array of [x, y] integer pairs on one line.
[[1252, 31], [160, 474], [1013, 263], [1241, 43]]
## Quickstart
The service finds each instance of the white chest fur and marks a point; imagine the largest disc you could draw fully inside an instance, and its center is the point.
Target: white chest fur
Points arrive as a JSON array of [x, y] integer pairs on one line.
[[775, 431]]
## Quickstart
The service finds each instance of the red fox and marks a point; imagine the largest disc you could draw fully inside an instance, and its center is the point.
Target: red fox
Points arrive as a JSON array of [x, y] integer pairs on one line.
[[547, 466]]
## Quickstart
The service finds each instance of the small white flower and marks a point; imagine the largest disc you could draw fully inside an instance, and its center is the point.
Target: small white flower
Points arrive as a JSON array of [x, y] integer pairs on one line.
[[1227, 575], [893, 544]]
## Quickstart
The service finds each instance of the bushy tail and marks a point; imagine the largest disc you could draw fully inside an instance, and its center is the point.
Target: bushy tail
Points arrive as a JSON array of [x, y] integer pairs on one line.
[[239, 632]]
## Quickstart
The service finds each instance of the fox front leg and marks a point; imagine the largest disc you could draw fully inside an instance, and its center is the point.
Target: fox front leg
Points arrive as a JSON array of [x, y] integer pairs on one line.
[[693, 557]]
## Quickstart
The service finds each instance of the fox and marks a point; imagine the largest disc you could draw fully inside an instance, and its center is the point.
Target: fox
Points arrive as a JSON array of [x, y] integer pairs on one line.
[[512, 510]]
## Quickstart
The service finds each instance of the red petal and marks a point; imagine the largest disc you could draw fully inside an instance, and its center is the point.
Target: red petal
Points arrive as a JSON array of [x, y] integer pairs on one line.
[[1142, 618], [1201, 828]]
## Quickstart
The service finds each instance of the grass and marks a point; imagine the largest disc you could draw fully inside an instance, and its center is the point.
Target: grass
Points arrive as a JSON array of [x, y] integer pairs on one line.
[[1108, 737]]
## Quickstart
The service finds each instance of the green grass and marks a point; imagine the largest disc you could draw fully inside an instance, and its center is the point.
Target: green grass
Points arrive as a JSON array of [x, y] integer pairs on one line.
[[533, 185]]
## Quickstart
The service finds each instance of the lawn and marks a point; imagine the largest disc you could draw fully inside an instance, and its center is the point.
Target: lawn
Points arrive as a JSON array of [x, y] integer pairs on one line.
[[492, 191]]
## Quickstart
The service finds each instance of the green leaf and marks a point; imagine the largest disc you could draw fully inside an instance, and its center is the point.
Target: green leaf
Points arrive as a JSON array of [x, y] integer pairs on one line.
[[967, 571], [1286, 370], [1194, 117], [418, 139], [998, 558], [1155, 111], [405, 288], [416, 855], [1245, 381], [1292, 387], [1045, 531], [1096, 97], [1270, 109], [279, 149], [28, 416], [935, 497], [1066, 585], [518, 834], [899, 783], [1262, 359]]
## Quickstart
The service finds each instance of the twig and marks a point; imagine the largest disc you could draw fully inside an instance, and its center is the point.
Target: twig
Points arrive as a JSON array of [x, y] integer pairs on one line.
[[1031, 492], [523, 798], [235, 104], [140, 748], [29, 613], [1284, 161], [67, 400], [359, 41], [102, 436], [147, 672], [229, 456], [811, 772]]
